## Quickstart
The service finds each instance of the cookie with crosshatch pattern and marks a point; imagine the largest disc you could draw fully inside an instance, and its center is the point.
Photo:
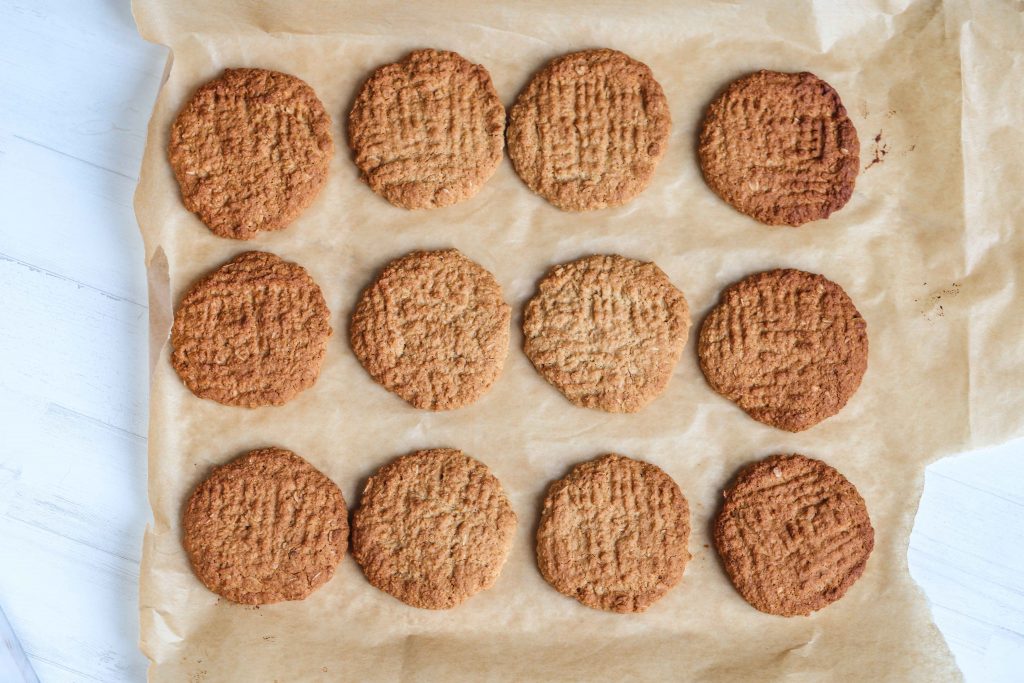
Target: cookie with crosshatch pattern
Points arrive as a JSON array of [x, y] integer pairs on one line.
[[589, 129], [251, 151], [606, 331], [251, 333], [433, 528], [794, 535], [613, 534], [427, 131], [433, 328], [787, 346], [265, 527], [780, 148]]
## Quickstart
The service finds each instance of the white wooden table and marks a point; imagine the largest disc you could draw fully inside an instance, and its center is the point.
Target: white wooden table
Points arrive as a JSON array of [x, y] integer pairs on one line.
[[76, 88]]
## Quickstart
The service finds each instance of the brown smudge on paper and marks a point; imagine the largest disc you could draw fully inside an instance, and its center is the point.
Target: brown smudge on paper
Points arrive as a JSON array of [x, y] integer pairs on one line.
[[878, 150], [932, 306]]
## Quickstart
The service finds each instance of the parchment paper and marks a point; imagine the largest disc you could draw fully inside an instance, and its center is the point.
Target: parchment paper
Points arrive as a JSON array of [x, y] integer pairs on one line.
[[927, 248]]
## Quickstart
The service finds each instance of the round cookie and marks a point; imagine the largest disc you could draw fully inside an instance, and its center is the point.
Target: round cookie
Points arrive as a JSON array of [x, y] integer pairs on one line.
[[433, 528], [427, 131], [433, 328], [265, 527], [606, 331], [786, 346], [251, 333], [589, 130], [780, 148], [250, 151], [794, 535], [613, 534]]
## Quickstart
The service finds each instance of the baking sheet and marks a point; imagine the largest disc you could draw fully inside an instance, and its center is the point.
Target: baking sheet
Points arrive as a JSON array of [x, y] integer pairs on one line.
[[926, 248]]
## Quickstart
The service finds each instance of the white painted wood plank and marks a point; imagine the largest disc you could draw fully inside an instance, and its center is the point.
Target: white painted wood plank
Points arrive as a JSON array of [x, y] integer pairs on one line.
[[77, 220], [85, 630], [72, 473], [967, 552], [73, 389], [71, 141], [84, 79], [78, 348]]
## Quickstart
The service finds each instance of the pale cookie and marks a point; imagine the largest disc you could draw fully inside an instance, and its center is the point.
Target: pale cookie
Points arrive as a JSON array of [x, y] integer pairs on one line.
[[433, 528], [589, 130], [252, 333], [607, 331], [794, 535], [427, 131], [251, 151], [433, 329], [266, 527], [786, 346], [780, 148], [613, 534]]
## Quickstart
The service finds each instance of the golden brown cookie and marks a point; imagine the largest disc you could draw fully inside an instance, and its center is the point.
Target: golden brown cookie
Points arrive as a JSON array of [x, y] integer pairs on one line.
[[265, 527], [606, 331], [250, 151], [427, 131], [794, 535], [589, 130], [433, 528], [780, 148], [786, 346], [613, 534], [251, 333], [433, 329]]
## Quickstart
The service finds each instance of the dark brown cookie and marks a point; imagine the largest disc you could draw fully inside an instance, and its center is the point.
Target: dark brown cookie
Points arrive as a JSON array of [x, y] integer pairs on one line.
[[607, 331], [427, 131], [250, 151], [266, 527], [613, 534], [794, 535], [433, 329], [433, 528], [780, 148], [589, 130], [252, 333], [788, 347]]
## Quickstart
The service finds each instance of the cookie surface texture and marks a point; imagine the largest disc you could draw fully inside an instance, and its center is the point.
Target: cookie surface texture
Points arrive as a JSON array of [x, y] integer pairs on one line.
[[433, 528], [265, 527], [613, 534], [427, 131], [786, 346], [794, 535], [607, 331], [252, 333], [433, 328], [251, 151], [589, 130], [780, 148]]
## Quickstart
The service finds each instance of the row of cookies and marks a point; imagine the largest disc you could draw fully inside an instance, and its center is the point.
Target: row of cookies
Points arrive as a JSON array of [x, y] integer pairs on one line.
[[251, 148], [435, 527], [788, 347]]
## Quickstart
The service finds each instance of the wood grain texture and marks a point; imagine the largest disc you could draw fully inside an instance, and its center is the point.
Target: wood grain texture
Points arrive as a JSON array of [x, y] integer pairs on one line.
[[73, 384]]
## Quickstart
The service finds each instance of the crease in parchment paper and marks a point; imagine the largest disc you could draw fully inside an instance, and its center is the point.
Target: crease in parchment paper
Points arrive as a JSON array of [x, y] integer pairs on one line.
[[938, 213]]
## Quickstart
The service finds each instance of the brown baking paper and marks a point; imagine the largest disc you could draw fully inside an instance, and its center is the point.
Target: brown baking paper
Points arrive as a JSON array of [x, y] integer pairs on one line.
[[927, 249]]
